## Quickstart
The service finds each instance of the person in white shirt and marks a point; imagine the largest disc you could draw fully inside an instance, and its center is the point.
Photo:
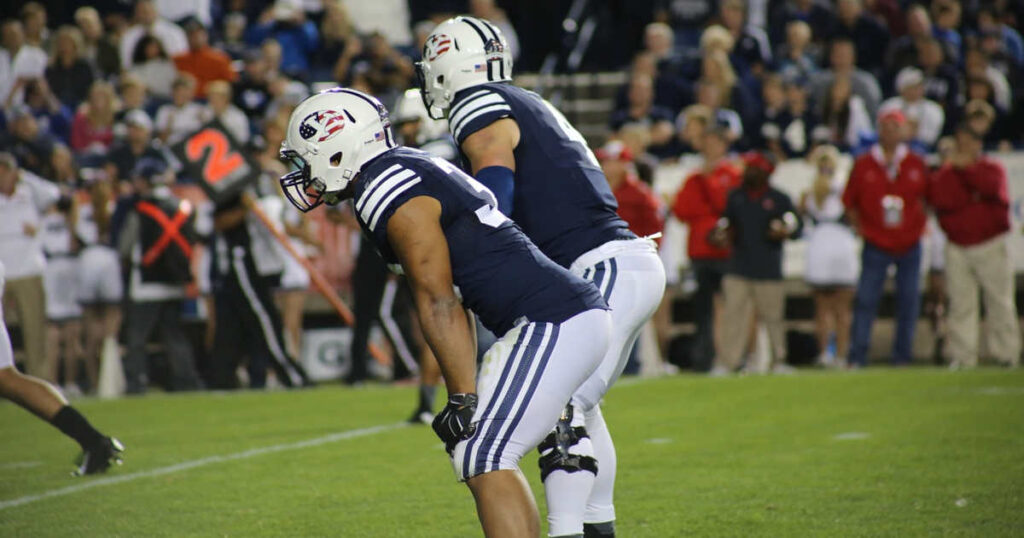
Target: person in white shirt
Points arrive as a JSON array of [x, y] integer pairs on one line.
[[182, 116], [218, 96], [924, 116], [148, 21], [24, 197], [19, 62]]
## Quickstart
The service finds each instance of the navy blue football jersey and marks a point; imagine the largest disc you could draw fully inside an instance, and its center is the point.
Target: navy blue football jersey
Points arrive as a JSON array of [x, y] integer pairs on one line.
[[501, 275], [561, 198]]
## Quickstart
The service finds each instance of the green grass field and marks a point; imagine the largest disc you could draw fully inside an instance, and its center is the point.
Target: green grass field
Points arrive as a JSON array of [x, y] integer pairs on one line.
[[915, 452]]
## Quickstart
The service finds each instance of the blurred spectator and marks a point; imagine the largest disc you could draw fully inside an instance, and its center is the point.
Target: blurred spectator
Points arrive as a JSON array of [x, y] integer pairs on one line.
[[136, 146], [201, 61], [384, 70], [756, 222], [870, 38], [151, 64], [182, 116], [53, 117], [133, 97], [842, 64], [998, 38], [182, 10], [155, 244], [19, 61], [63, 313], [977, 67], [69, 76], [219, 107], [903, 51], [286, 23], [831, 255], [24, 197], [97, 48], [686, 17], [641, 108], [736, 93], [941, 80], [752, 51], [946, 14], [637, 138], [99, 287], [787, 121], [387, 17], [699, 204], [92, 130], [671, 91], [845, 120], [796, 58], [37, 151], [33, 16], [980, 117], [638, 205], [710, 95], [884, 200], [339, 45], [232, 39], [971, 197], [924, 117], [890, 13], [252, 89], [489, 11], [691, 125], [817, 15], [148, 22]]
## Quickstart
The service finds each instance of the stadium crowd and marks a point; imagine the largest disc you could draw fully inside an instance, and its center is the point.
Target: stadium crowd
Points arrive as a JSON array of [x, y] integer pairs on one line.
[[914, 92]]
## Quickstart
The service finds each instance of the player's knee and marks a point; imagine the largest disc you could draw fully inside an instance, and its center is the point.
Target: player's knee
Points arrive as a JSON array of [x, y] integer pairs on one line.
[[566, 449]]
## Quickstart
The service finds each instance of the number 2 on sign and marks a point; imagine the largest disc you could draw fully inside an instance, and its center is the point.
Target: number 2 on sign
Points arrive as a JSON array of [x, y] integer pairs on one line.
[[221, 163]]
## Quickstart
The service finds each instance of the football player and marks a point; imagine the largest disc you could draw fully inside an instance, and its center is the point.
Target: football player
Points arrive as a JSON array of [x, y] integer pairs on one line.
[[46, 402], [549, 182], [443, 230]]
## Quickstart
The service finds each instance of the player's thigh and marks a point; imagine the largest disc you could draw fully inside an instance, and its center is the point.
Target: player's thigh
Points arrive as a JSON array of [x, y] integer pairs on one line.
[[525, 381]]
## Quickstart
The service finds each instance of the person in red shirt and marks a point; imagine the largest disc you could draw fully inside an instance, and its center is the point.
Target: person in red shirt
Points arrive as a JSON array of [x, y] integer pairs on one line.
[[638, 205], [972, 201], [885, 202], [699, 204], [202, 61]]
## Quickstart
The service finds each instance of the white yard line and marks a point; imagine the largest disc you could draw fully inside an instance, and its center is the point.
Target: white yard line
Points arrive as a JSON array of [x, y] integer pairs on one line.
[[89, 483]]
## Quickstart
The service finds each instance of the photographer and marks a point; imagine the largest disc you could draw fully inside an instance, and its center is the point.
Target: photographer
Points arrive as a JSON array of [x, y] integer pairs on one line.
[[971, 198], [756, 221]]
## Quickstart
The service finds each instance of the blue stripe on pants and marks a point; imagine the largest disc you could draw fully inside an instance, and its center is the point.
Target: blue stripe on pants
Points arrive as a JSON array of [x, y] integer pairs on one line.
[[529, 395], [490, 405], [508, 402]]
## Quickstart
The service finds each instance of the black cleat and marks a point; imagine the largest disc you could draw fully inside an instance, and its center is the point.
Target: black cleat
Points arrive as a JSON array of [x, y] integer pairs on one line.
[[99, 458]]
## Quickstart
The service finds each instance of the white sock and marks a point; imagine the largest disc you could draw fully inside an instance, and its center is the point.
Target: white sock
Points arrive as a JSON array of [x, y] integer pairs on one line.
[[567, 493], [600, 507]]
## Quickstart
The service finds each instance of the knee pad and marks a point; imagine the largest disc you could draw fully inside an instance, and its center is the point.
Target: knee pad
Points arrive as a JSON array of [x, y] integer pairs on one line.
[[556, 452]]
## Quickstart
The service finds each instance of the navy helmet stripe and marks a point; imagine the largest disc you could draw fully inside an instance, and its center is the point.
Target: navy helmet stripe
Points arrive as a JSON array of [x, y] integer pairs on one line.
[[508, 402], [483, 37], [534, 383], [490, 405], [490, 27]]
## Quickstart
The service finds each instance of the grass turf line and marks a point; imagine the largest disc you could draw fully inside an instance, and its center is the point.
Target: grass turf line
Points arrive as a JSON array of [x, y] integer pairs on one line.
[[934, 453]]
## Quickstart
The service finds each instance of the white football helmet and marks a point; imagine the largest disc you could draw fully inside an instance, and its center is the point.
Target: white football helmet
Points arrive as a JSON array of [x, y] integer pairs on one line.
[[330, 136], [460, 53]]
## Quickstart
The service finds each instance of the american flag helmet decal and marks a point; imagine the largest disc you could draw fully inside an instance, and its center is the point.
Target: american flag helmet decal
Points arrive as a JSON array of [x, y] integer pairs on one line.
[[325, 123]]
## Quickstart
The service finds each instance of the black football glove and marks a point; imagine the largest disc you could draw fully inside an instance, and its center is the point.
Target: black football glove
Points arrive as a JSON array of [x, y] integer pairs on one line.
[[453, 423]]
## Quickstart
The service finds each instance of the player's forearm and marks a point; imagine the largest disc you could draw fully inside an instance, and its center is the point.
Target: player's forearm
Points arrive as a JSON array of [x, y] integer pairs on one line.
[[447, 331]]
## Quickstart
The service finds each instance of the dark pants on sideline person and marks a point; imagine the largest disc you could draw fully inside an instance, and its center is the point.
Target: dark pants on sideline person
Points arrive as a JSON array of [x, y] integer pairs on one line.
[[142, 318], [248, 323], [368, 280], [708, 274], [874, 269]]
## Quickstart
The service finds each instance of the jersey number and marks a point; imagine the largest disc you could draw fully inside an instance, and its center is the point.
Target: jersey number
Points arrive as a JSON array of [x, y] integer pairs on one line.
[[488, 214], [570, 132]]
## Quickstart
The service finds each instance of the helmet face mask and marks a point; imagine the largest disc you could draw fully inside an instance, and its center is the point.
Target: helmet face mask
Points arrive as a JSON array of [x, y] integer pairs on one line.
[[330, 137], [460, 53]]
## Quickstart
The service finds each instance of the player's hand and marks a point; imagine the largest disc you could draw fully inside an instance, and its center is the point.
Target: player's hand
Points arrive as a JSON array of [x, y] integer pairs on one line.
[[454, 422]]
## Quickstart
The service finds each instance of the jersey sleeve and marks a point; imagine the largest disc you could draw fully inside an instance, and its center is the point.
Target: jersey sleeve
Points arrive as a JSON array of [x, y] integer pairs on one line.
[[383, 196], [477, 110]]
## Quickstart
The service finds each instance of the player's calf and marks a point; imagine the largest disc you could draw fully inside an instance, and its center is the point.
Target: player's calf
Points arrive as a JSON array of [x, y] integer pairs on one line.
[[568, 469]]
